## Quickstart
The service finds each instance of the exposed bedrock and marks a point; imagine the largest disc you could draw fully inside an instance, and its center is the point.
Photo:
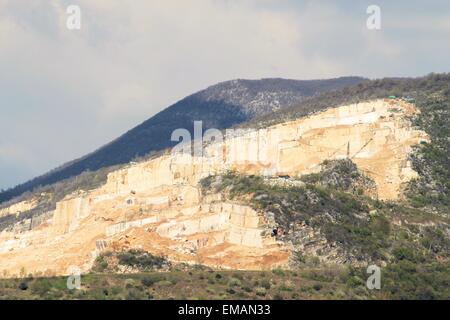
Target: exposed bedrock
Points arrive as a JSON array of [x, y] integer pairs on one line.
[[157, 205]]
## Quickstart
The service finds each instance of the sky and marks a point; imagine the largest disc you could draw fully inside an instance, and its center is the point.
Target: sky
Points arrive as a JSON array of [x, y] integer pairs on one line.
[[64, 93]]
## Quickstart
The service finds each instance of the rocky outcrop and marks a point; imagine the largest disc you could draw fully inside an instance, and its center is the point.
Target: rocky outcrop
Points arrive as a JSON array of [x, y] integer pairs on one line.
[[158, 206], [19, 207], [68, 214], [375, 135]]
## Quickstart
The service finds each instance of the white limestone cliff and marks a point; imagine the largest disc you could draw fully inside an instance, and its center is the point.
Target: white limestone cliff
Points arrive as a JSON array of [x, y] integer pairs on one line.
[[157, 205]]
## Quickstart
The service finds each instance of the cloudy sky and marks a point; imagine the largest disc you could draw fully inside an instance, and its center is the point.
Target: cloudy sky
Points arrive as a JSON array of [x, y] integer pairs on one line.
[[64, 93]]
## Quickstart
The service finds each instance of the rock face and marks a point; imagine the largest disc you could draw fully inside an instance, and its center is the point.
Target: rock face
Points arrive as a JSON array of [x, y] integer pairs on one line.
[[19, 207], [68, 213], [158, 206], [375, 135]]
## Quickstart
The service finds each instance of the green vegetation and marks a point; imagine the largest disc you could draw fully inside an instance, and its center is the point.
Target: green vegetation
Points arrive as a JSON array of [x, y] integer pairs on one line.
[[401, 280], [413, 243], [130, 260], [431, 160]]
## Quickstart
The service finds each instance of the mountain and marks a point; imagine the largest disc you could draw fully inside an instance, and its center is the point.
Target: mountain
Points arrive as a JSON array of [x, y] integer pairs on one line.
[[219, 106], [176, 208], [361, 180]]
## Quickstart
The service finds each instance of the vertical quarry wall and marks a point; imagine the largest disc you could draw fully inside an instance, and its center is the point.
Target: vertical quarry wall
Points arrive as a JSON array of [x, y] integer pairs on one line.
[[68, 214]]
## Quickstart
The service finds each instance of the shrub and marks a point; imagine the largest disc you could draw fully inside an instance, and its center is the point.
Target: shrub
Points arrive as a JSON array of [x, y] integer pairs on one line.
[[261, 291], [129, 283], [278, 296], [23, 285], [404, 253], [278, 272], [147, 281], [247, 289], [317, 286], [41, 286], [265, 283], [231, 291], [142, 260], [234, 282]]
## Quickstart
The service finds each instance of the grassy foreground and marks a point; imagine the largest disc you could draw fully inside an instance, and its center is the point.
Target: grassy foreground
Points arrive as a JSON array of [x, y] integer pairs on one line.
[[200, 283], [196, 284]]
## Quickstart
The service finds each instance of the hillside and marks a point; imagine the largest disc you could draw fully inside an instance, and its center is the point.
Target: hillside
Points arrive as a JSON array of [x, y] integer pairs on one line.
[[345, 179], [220, 106], [159, 204]]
